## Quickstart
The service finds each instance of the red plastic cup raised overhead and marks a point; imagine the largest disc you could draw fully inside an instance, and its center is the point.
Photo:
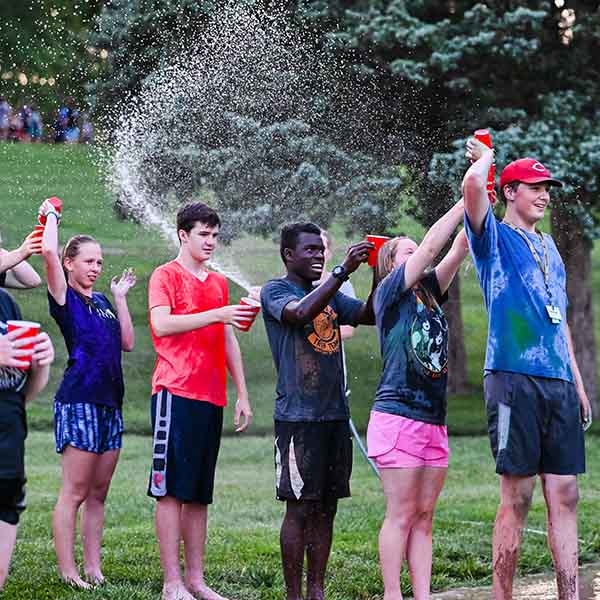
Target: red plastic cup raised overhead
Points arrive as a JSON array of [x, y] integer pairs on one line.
[[31, 329], [255, 305], [377, 241], [57, 203], [483, 135]]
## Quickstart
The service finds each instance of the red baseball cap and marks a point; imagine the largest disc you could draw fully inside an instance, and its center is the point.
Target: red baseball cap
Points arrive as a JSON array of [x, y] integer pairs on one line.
[[527, 170]]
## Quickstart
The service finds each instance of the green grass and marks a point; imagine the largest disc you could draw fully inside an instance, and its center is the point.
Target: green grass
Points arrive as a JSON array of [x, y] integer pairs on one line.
[[243, 552]]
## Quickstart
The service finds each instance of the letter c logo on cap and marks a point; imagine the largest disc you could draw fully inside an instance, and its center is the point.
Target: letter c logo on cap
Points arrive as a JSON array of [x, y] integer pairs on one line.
[[538, 166]]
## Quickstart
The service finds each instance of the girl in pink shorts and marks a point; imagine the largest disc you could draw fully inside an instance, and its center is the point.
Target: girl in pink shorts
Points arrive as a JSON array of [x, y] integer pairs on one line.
[[407, 436]]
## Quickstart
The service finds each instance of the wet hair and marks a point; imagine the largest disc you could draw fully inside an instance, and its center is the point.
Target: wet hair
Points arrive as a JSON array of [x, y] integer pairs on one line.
[[72, 248], [291, 233], [386, 257], [196, 212]]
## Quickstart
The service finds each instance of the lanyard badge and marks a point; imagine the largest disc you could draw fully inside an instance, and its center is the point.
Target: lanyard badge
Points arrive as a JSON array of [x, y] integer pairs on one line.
[[552, 310]]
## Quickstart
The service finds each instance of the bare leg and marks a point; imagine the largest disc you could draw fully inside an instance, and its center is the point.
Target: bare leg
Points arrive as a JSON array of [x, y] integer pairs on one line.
[[78, 469], [92, 517], [515, 500], [8, 535], [400, 487], [168, 532], [292, 539], [419, 549], [193, 528], [562, 495], [319, 535]]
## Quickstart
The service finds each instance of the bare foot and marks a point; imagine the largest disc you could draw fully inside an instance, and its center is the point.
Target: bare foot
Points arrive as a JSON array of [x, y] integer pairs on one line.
[[76, 582], [175, 591], [95, 577], [203, 592]]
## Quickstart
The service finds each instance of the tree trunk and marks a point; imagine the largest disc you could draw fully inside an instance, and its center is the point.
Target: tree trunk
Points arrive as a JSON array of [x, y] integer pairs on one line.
[[576, 252], [457, 356]]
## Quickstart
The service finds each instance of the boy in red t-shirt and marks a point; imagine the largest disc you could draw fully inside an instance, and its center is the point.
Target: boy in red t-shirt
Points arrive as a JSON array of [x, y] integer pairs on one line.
[[191, 327]]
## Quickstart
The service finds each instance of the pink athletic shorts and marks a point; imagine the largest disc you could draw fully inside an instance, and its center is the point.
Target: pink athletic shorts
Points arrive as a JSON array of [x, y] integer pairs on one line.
[[396, 442]]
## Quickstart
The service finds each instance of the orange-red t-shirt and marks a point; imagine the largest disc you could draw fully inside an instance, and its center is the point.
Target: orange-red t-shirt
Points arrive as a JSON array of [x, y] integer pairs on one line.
[[190, 364]]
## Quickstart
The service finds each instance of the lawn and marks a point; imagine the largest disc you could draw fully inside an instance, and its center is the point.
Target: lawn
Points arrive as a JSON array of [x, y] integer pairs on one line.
[[33, 172], [243, 552]]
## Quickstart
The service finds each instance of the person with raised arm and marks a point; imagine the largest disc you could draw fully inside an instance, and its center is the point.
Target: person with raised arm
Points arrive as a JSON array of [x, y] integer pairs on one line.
[[313, 442], [19, 384], [88, 421], [192, 331], [407, 435], [15, 271], [535, 399]]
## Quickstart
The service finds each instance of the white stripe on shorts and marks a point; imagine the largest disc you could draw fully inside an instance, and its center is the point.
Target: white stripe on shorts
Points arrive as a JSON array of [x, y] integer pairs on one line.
[[160, 443]]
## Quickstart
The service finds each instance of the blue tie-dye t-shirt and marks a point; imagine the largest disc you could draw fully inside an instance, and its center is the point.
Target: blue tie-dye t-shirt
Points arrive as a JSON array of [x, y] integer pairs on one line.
[[521, 336], [413, 335]]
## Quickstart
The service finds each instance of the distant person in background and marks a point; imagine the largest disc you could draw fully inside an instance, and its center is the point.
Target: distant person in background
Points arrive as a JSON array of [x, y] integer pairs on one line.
[[87, 129], [18, 386], [15, 128], [5, 116], [15, 271], [36, 125], [407, 436], [25, 114], [88, 420]]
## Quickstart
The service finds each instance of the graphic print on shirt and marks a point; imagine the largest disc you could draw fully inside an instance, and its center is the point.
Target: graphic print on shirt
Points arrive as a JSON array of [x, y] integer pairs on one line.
[[429, 338], [325, 334]]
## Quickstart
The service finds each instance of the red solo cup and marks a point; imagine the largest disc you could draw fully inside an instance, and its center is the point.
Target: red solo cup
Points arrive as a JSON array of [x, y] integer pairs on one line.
[[377, 241], [483, 135], [31, 330], [37, 234], [255, 305], [57, 203]]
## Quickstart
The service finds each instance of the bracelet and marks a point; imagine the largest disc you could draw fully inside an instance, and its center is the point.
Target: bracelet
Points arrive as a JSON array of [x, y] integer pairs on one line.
[[53, 212]]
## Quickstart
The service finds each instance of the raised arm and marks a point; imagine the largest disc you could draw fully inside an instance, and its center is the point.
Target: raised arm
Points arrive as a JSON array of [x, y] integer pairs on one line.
[[450, 264], [304, 311], [119, 288], [19, 274], [235, 366], [55, 275], [433, 242], [474, 183]]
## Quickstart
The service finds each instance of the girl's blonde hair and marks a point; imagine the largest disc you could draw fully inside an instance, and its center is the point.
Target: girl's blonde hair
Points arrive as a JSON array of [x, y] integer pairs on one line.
[[386, 257]]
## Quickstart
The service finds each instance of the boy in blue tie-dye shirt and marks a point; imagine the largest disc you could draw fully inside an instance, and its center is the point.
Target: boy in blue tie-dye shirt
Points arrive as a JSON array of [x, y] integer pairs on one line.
[[534, 393]]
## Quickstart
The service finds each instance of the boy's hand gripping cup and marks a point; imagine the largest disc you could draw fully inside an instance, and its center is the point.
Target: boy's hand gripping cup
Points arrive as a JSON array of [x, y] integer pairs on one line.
[[483, 135], [31, 329], [255, 305], [377, 241]]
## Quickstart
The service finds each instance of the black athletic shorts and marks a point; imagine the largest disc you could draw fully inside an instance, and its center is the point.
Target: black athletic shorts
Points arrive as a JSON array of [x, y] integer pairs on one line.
[[534, 424], [185, 447], [12, 500], [313, 461]]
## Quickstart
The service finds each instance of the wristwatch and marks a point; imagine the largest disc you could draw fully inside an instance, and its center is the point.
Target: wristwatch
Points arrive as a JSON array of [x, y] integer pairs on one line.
[[340, 272]]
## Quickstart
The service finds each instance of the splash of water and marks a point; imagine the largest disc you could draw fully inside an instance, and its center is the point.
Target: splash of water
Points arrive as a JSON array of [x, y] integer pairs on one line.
[[217, 98]]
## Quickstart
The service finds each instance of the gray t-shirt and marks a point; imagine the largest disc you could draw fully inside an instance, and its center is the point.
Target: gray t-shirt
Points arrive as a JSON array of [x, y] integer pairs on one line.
[[308, 358]]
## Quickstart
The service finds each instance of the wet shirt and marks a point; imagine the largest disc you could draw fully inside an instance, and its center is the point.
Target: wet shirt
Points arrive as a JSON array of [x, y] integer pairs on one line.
[[308, 358], [521, 335], [92, 335], [12, 401], [413, 336], [191, 364]]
